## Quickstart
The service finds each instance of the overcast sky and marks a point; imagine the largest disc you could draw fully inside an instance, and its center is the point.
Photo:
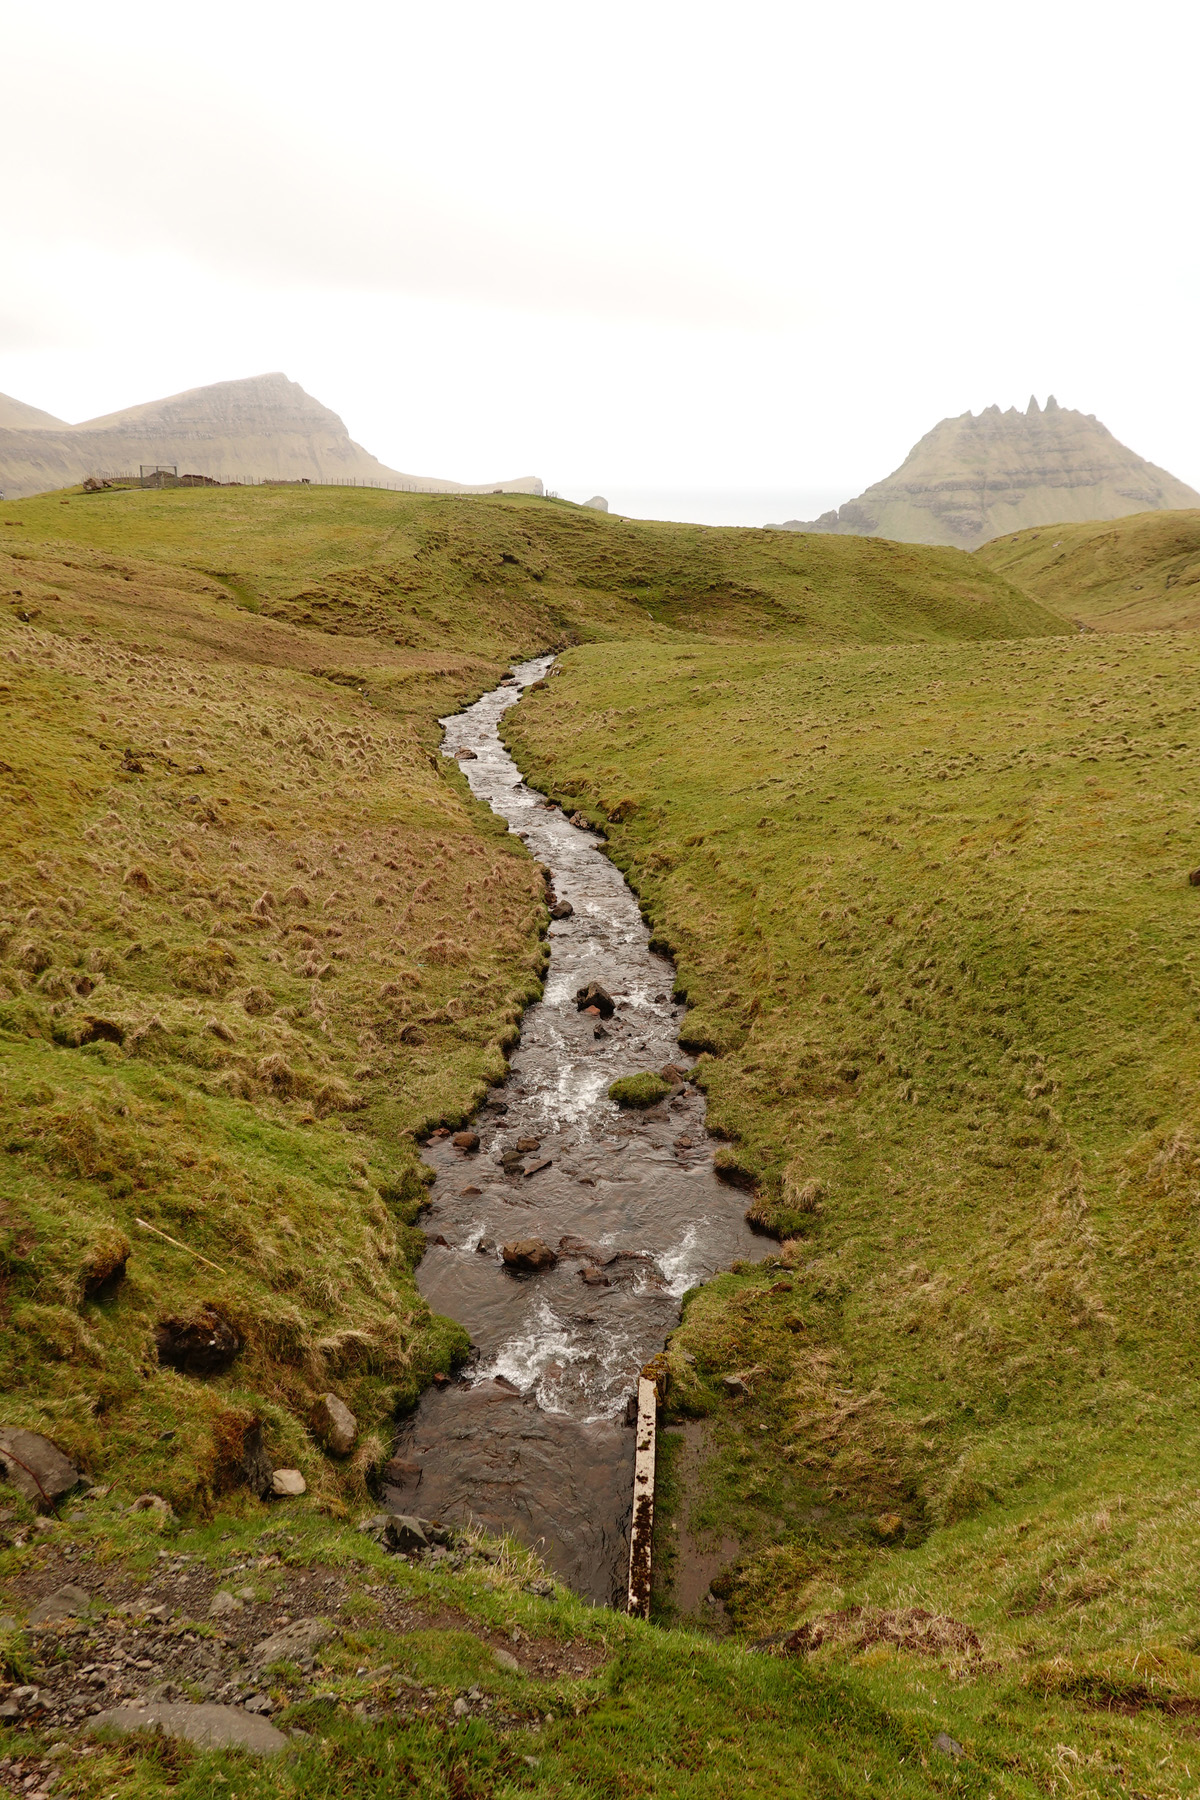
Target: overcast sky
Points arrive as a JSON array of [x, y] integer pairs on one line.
[[658, 248]]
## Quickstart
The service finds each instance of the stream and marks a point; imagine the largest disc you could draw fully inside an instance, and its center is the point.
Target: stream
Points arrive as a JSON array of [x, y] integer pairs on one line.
[[532, 1438]]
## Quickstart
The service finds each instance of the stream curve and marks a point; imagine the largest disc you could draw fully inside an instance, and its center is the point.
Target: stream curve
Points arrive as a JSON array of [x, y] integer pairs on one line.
[[531, 1438]]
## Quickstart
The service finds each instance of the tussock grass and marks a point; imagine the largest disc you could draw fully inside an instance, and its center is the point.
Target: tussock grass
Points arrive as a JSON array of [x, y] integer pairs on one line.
[[931, 911], [643, 1090]]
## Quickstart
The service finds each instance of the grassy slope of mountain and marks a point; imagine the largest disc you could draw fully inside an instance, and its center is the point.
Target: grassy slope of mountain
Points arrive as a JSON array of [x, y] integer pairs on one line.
[[1135, 574], [931, 908]]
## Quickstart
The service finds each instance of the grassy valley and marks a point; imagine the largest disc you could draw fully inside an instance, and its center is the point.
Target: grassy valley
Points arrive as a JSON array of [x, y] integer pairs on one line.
[[921, 851]]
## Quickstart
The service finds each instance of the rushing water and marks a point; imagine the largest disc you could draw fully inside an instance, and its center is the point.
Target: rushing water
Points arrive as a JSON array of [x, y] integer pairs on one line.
[[532, 1437]]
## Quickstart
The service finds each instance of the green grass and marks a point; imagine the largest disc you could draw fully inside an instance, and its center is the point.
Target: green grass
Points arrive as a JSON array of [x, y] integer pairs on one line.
[[487, 574], [255, 940], [930, 908], [1136, 574], [661, 1714]]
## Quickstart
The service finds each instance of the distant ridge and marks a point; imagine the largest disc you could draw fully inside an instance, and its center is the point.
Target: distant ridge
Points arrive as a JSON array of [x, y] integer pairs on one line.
[[16, 416], [265, 427], [974, 478]]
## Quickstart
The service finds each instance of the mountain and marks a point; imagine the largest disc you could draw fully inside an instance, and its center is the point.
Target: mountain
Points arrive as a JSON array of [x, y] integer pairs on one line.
[[972, 478], [265, 427], [16, 416]]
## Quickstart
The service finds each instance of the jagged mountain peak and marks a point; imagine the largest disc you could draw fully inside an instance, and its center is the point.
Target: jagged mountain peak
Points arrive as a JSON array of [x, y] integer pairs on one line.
[[980, 475]]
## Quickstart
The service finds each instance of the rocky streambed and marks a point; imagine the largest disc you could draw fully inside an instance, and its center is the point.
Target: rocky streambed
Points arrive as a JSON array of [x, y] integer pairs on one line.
[[608, 1216]]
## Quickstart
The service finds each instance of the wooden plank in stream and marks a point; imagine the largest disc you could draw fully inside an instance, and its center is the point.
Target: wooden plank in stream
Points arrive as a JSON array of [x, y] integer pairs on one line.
[[642, 1529]]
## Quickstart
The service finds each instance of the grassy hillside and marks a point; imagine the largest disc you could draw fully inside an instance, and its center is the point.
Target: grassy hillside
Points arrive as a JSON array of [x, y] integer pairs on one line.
[[253, 940], [257, 937], [931, 909], [1135, 574], [480, 574]]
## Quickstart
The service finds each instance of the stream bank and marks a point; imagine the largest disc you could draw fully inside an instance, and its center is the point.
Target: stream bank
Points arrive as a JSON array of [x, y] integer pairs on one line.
[[532, 1437]]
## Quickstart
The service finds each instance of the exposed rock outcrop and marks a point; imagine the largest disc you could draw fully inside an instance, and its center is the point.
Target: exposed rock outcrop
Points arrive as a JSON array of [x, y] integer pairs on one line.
[[976, 477], [263, 428]]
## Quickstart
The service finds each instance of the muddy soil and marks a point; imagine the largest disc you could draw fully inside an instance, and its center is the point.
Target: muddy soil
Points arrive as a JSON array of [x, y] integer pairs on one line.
[[532, 1438]]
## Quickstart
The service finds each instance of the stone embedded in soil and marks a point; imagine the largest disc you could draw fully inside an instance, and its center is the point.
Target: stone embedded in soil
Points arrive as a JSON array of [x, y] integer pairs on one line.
[[18, 1701], [36, 1467], [504, 1660], [209, 1727], [594, 995], [294, 1643], [405, 1534], [222, 1604], [529, 1255], [465, 1140], [334, 1424], [288, 1484], [205, 1344], [67, 1602]]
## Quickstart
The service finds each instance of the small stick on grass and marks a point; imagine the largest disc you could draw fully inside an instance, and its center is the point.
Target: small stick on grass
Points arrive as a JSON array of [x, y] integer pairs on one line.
[[186, 1247]]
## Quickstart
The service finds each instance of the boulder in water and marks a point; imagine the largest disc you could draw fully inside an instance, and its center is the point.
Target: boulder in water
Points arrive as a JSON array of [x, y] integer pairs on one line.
[[528, 1255], [593, 995]]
